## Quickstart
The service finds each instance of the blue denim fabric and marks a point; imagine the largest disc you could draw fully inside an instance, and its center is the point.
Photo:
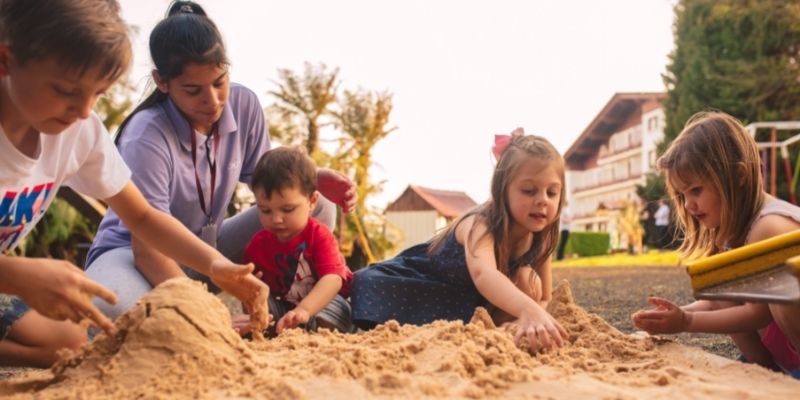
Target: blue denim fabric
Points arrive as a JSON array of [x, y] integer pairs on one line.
[[11, 309]]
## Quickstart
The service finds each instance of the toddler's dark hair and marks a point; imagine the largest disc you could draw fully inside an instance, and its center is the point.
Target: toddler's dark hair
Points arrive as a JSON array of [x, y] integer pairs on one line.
[[283, 168]]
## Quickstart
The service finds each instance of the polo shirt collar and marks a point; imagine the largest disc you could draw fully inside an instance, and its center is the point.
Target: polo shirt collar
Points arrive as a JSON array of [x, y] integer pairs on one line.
[[227, 123]]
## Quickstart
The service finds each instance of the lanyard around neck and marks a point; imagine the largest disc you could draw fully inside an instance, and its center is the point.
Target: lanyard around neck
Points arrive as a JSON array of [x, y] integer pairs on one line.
[[212, 165]]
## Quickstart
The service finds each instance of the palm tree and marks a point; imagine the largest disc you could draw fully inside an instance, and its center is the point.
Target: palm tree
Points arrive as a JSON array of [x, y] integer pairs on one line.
[[307, 98], [363, 118]]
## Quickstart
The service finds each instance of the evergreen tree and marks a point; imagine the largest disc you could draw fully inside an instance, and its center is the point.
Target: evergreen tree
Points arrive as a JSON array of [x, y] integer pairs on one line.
[[737, 56], [741, 57]]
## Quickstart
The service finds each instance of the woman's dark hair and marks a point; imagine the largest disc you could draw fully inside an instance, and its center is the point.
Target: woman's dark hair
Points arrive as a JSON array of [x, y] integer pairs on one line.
[[186, 35]]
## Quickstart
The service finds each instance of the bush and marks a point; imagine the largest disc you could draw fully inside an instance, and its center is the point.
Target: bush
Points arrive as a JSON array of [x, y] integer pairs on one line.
[[587, 244]]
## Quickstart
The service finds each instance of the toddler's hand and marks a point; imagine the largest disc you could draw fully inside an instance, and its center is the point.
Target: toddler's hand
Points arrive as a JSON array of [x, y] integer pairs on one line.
[[292, 319], [59, 290], [665, 318]]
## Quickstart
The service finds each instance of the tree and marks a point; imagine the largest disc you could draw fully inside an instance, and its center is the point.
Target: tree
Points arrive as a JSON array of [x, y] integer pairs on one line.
[[303, 98], [737, 56], [363, 118], [628, 222], [115, 105], [740, 57], [309, 102]]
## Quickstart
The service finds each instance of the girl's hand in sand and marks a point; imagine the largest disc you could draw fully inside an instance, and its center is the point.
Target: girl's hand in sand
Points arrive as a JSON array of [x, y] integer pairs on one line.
[[665, 318], [238, 280], [337, 188], [292, 319], [59, 290], [539, 330]]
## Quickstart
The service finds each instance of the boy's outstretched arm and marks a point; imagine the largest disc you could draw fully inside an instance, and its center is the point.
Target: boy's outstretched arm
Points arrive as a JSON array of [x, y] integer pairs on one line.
[[55, 288], [320, 295], [167, 235]]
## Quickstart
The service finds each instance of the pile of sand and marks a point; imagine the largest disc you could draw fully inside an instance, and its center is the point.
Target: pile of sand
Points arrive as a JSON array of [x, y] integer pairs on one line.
[[177, 342]]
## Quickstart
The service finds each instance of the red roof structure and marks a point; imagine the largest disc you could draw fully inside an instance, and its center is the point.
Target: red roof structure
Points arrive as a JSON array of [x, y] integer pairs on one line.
[[448, 203]]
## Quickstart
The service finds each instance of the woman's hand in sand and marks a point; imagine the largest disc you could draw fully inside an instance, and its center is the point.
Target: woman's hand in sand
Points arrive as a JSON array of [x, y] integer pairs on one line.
[[665, 318], [337, 188], [539, 330], [59, 290], [292, 319], [237, 280]]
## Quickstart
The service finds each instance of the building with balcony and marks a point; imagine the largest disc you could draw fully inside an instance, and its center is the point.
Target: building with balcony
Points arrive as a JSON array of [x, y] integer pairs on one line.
[[610, 158]]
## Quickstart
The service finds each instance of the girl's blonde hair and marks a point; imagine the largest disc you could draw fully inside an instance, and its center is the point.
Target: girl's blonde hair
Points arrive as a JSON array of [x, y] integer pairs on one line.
[[716, 149], [496, 213]]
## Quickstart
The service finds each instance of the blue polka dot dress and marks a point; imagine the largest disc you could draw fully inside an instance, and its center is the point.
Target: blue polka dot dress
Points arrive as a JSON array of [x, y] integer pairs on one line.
[[415, 288]]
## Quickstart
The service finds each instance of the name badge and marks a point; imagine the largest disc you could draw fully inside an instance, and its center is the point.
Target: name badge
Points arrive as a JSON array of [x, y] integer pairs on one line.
[[209, 235]]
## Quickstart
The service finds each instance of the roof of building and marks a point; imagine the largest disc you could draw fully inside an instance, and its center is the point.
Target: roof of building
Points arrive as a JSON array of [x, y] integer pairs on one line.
[[611, 119], [448, 203]]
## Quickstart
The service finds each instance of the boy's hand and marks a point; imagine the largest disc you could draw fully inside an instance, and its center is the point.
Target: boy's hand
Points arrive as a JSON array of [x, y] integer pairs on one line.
[[59, 290], [337, 188], [292, 319], [665, 318], [237, 280]]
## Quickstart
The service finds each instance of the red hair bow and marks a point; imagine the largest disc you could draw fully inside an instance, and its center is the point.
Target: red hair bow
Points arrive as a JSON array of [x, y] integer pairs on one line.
[[502, 141]]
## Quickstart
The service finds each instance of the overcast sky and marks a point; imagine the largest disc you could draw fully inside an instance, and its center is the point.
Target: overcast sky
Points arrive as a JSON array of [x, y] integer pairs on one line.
[[460, 71]]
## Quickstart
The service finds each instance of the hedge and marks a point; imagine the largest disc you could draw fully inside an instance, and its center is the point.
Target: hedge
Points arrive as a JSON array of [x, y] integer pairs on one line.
[[586, 244]]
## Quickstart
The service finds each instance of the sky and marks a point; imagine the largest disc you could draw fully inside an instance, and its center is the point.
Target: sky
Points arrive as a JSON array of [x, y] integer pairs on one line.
[[460, 71]]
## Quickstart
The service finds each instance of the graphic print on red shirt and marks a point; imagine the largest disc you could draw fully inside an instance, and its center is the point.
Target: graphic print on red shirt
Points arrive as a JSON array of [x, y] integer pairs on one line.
[[292, 268]]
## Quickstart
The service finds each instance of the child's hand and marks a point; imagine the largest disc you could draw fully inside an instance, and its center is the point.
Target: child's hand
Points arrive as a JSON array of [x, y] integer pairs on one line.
[[292, 319], [59, 290], [665, 318], [539, 330], [337, 188], [237, 280], [243, 324]]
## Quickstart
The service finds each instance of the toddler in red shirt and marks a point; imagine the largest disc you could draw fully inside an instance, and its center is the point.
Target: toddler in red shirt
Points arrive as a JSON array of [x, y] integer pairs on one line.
[[295, 255]]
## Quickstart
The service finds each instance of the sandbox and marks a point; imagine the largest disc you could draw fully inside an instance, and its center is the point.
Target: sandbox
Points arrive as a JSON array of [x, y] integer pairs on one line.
[[178, 343]]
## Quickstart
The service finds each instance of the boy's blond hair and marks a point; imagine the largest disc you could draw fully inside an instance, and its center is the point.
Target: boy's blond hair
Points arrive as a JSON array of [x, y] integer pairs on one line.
[[715, 148], [79, 35]]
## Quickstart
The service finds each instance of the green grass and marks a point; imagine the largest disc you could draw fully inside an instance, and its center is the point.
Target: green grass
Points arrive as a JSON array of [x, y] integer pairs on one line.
[[652, 258]]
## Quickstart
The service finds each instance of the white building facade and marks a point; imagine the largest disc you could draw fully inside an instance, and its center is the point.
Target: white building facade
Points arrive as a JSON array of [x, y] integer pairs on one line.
[[610, 158]]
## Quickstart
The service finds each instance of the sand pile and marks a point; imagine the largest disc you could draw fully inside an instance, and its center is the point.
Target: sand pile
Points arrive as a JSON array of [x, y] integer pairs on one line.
[[177, 343]]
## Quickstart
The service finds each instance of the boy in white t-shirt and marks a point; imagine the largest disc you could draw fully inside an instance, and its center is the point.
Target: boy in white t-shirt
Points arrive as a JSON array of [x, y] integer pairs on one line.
[[51, 74]]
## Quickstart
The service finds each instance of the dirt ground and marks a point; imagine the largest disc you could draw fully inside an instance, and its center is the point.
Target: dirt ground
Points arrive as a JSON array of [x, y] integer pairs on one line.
[[613, 294]]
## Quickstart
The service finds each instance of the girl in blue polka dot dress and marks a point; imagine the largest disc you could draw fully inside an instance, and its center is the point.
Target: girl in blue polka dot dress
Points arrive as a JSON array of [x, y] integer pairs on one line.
[[496, 256]]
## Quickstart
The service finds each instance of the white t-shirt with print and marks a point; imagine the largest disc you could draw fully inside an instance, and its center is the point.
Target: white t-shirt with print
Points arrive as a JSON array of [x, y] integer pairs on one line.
[[82, 157]]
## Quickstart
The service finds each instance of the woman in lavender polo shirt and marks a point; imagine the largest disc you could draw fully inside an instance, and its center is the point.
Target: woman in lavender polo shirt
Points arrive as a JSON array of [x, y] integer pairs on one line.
[[187, 145]]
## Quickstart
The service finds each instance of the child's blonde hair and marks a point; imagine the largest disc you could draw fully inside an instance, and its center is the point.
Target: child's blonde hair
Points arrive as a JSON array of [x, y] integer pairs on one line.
[[716, 149], [78, 34], [496, 213]]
